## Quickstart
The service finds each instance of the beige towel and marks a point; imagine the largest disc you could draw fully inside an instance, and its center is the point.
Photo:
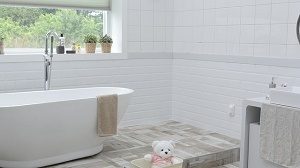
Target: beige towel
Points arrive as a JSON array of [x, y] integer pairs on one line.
[[107, 115], [280, 135]]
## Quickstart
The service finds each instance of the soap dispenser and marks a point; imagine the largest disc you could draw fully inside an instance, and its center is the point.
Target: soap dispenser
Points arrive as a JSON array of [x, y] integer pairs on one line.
[[272, 85], [61, 48]]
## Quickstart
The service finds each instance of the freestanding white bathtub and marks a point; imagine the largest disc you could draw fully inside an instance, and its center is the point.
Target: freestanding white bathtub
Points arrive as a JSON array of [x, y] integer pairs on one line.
[[42, 128]]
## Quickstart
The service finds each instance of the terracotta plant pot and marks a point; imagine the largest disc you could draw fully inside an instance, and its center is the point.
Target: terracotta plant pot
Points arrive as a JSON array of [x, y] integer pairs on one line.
[[106, 47], [1, 48], [90, 47]]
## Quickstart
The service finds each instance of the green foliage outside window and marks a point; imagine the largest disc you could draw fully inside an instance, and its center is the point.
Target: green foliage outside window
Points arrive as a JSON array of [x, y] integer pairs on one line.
[[26, 27]]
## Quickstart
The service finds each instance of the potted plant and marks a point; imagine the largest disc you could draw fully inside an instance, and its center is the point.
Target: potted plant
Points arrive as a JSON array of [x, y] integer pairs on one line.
[[90, 43], [1, 44], [106, 43]]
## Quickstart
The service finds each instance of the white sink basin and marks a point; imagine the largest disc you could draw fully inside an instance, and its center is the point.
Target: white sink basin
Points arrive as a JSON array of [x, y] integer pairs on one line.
[[289, 96]]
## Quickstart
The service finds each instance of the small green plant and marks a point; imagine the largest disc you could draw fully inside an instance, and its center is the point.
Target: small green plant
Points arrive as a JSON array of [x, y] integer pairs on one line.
[[1, 39], [106, 39], [90, 38]]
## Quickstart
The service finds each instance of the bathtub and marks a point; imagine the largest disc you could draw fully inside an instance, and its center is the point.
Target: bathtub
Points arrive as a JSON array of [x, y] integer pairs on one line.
[[43, 128]]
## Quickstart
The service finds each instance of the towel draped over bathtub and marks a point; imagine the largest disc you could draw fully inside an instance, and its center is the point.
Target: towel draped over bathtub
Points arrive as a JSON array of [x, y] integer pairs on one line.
[[280, 135], [107, 111]]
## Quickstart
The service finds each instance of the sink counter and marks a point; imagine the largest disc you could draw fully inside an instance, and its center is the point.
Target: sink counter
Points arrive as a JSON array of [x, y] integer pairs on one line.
[[251, 114], [289, 96], [256, 102], [249, 155]]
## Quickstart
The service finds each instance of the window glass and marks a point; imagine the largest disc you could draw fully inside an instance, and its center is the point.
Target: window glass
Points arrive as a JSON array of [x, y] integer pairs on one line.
[[24, 28]]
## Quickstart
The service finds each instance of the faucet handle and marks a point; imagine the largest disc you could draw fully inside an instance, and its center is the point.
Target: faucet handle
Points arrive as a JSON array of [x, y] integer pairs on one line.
[[284, 85]]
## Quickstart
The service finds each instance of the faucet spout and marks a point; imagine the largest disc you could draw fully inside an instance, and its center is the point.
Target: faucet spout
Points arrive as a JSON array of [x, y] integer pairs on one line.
[[50, 34], [48, 58]]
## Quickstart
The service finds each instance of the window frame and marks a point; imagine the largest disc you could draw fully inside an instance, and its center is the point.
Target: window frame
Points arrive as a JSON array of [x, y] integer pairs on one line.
[[117, 21]]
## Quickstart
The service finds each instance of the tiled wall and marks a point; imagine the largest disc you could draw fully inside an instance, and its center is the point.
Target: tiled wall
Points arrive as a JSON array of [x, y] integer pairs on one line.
[[205, 86], [237, 27], [150, 78], [150, 25]]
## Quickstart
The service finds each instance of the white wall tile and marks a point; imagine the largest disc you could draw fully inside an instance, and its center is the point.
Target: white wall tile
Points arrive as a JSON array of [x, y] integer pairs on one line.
[[160, 18], [278, 34], [134, 17], [280, 13], [160, 34], [261, 50], [263, 14], [209, 17], [248, 14], [263, 2], [293, 51], [147, 4], [134, 33], [147, 46], [294, 10], [147, 33], [209, 4], [222, 16], [291, 36], [246, 49], [197, 4], [234, 15], [221, 35], [233, 48], [160, 5], [277, 50], [247, 34], [134, 46], [262, 34], [147, 18], [134, 4]]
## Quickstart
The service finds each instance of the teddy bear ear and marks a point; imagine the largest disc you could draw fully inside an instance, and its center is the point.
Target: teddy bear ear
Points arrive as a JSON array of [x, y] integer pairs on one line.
[[172, 143], [154, 143]]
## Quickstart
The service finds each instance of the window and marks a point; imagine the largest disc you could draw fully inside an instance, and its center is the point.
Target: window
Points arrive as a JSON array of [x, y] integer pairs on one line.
[[24, 28]]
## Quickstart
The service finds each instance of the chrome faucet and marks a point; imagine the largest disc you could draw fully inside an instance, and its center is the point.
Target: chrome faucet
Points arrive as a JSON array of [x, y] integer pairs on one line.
[[48, 58], [272, 85]]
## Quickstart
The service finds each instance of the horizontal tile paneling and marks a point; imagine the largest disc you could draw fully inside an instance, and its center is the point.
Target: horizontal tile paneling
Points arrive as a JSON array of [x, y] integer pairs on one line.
[[203, 90], [150, 78]]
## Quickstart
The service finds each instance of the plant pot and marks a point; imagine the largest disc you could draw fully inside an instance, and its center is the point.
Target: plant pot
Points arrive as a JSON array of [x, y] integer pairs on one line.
[[106, 47], [90, 47], [1, 48]]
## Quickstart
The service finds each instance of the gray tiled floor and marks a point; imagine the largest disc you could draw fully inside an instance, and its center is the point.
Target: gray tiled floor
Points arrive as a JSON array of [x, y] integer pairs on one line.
[[198, 147]]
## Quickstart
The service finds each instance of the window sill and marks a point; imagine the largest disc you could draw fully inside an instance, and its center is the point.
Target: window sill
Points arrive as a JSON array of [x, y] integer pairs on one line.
[[62, 57]]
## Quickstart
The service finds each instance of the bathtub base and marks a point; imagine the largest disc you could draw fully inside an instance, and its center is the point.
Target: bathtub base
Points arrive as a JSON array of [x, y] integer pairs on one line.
[[51, 160]]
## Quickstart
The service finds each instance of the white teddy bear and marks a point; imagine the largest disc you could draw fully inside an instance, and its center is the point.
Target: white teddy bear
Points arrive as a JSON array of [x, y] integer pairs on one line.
[[163, 154]]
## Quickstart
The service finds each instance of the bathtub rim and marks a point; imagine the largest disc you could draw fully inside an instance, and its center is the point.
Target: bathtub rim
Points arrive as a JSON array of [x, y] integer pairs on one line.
[[68, 89], [126, 91]]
